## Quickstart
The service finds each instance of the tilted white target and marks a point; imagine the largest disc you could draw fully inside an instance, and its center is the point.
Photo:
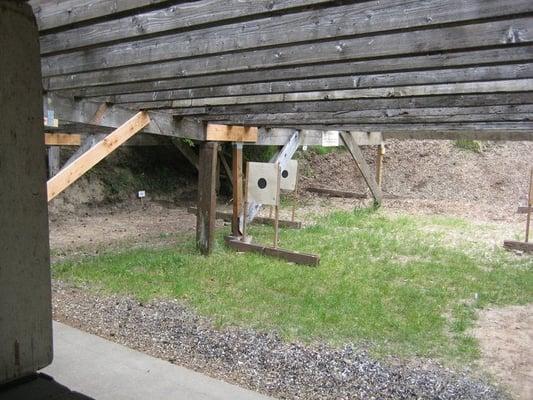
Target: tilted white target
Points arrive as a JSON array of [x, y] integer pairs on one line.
[[262, 183], [289, 175]]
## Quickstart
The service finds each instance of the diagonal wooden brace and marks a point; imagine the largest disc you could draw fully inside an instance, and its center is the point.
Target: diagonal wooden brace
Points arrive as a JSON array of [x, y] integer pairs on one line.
[[355, 151], [70, 174]]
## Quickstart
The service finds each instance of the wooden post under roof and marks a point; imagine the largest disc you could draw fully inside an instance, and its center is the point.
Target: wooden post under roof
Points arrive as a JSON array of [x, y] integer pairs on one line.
[[379, 164], [54, 160], [205, 217], [237, 190]]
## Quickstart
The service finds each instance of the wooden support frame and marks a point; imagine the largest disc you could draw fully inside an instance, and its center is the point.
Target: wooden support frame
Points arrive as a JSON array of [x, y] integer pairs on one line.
[[237, 179], [54, 160], [225, 165], [337, 193], [363, 167], [206, 214], [68, 175], [62, 139], [231, 133], [287, 255], [379, 164], [228, 216]]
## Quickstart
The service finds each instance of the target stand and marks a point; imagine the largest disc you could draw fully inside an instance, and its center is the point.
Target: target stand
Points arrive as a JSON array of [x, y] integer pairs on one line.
[[526, 246], [264, 182]]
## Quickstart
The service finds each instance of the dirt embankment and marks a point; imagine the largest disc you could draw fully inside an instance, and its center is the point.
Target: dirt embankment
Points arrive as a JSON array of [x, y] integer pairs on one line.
[[439, 171]]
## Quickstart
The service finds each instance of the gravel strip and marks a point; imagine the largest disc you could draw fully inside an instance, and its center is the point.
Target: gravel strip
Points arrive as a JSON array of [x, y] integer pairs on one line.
[[258, 361]]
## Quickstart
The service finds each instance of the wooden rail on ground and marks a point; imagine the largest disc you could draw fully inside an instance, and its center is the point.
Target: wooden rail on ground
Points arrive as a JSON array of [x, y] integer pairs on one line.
[[287, 255], [227, 217]]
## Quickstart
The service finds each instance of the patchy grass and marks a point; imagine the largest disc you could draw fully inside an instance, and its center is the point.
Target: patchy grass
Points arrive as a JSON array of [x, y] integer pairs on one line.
[[397, 284], [475, 146]]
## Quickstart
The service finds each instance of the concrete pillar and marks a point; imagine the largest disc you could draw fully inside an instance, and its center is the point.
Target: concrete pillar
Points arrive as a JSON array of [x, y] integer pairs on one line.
[[25, 300]]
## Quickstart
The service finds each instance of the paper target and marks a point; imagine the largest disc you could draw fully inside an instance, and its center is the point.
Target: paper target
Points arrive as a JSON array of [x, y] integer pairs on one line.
[[262, 183], [289, 174]]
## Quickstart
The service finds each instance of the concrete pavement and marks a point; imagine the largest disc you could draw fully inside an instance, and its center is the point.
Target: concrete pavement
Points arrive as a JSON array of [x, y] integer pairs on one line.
[[104, 370]]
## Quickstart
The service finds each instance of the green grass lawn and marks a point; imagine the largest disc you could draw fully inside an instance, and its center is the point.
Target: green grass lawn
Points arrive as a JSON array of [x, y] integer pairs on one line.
[[400, 285]]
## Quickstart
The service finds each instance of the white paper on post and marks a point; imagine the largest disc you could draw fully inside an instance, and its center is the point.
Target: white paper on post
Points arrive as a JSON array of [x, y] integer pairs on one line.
[[330, 139], [289, 176], [262, 183]]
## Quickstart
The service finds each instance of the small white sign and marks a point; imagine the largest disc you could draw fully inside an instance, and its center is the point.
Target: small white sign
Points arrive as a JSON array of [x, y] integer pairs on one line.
[[141, 194], [330, 139]]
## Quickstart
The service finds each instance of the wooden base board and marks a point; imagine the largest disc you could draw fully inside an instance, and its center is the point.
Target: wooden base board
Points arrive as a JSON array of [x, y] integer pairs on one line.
[[337, 193], [516, 245], [290, 256], [523, 209], [226, 216]]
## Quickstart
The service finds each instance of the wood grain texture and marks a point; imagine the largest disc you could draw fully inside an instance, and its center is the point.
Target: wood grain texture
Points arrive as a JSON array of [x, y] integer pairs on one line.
[[231, 133], [62, 139], [363, 167], [206, 214]]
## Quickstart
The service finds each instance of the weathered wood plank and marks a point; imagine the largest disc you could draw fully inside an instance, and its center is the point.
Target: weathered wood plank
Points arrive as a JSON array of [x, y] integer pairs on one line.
[[472, 74], [231, 133], [97, 153], [83, 112], [55, 14], [350, 20], [523, 209], [337, 193], [227, 217], [54, 160], [62, 139], [287, 255], [526, 247], [363, 167], [492, 33], [206, 213], [364, 73], [238, 199], [501, 86], [346, 106], [183, 16]]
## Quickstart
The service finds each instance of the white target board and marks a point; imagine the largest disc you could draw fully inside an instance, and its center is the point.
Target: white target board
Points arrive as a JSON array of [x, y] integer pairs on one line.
[[289, 175], [262, 183]]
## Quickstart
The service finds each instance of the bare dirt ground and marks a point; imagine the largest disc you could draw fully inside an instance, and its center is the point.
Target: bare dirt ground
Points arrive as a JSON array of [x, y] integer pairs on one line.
[[429, 178], [506, 339]]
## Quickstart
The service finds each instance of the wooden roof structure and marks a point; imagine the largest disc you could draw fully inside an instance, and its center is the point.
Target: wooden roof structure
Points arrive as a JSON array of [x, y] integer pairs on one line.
[[408, 69]]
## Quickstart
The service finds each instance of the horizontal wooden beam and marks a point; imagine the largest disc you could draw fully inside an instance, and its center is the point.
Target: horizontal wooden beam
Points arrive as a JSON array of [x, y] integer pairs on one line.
[[55, 14], [83, 112], [287, 255], [231, 133], [227, 216], [314, 25], [406, 70], [180, 16], [62, 139], [473, 74], [474, 36], [523, 209], [68, 175], [337, 193]]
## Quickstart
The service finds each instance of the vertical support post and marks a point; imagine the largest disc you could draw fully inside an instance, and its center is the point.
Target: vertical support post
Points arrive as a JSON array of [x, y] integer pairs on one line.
[[237, 173], [529, 204], [54, 160], [276, 216], [205, 219], [379, 165]]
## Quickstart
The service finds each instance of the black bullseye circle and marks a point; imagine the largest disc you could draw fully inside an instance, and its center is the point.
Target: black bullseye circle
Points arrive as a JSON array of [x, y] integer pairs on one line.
[[262, 183], [285, 173]]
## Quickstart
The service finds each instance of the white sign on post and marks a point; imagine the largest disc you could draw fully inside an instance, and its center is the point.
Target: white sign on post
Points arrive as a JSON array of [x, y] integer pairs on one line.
[[141, 194], [262, 183], [330, 139]]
